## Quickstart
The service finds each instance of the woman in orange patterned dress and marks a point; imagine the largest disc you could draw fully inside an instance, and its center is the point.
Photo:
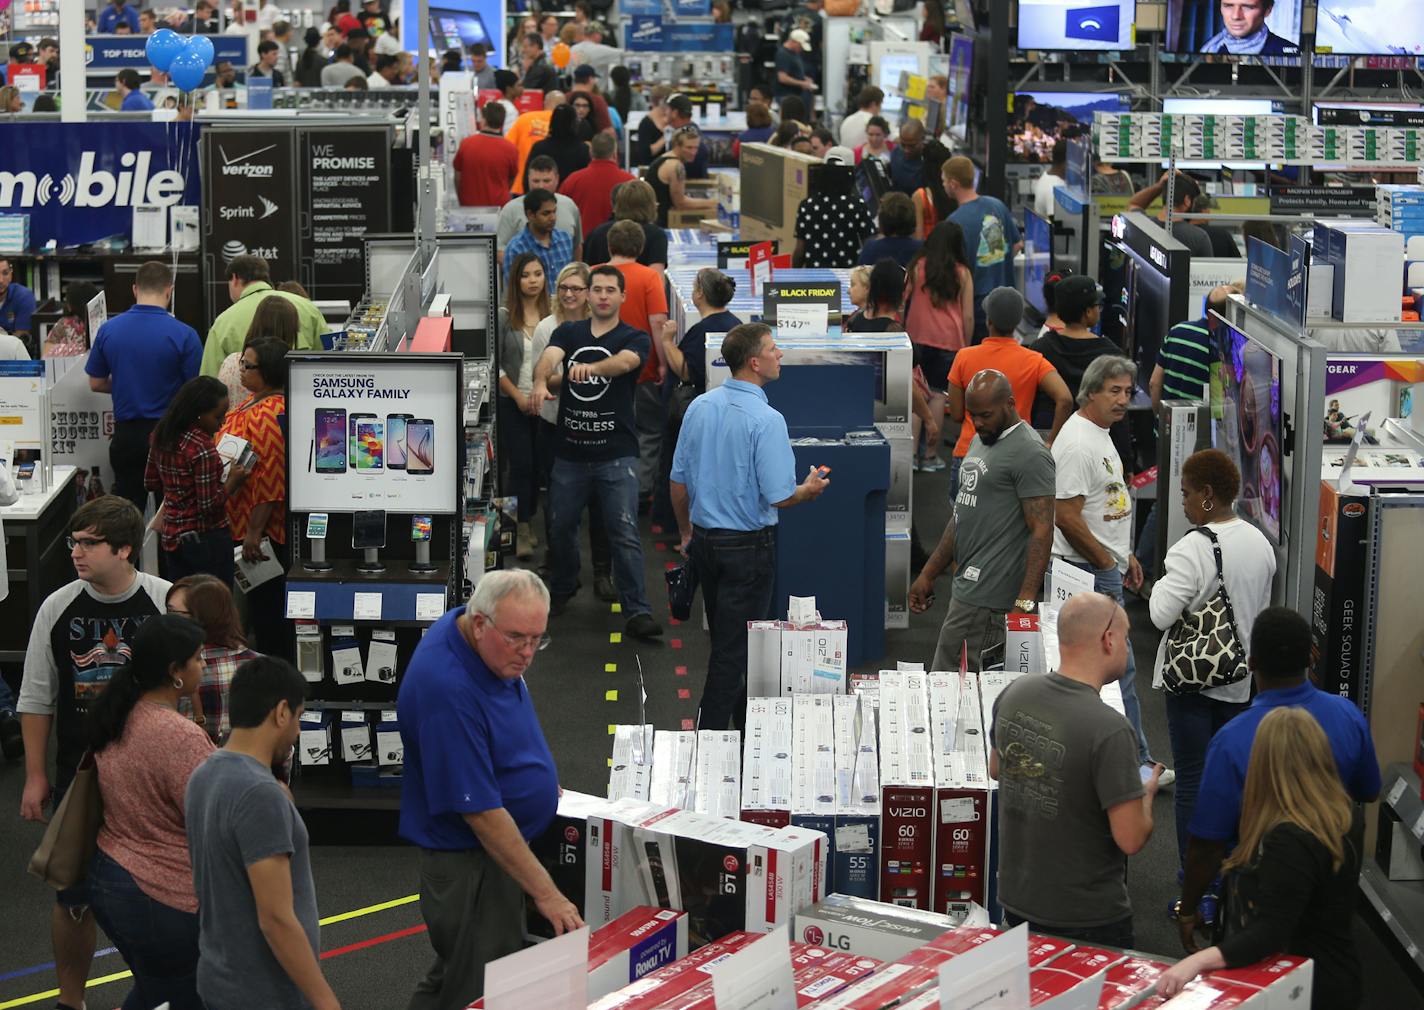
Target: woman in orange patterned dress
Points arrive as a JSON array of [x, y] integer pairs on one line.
[[257, 513]]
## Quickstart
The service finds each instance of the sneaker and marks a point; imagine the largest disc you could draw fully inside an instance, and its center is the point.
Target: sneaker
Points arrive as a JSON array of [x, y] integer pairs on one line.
[[643, 626], [1167, 778], [12, 741], [558, 604], [604, 588], [524, 543], [932, 465]]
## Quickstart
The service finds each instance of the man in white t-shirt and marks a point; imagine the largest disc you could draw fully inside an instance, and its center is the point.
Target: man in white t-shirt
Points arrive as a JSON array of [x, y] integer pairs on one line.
[[1093, 512], [868, 103], [1051, 179]]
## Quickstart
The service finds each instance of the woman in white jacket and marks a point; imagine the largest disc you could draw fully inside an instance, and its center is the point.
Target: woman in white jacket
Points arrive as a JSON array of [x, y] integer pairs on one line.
[[1210, 482]]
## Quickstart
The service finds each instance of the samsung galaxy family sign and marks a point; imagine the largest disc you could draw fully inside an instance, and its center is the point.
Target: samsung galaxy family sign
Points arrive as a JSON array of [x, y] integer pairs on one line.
[[80, 182]]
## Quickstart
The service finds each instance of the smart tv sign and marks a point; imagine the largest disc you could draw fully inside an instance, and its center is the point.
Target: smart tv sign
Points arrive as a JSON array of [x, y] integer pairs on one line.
[[79, 182]]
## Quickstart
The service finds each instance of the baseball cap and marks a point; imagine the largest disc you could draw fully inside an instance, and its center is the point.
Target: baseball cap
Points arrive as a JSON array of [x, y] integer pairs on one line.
[[1075, 294], [1003, 307], [387, 45], [681, 104], [585, 72], [802, 36], [347, 22], [840, 156]]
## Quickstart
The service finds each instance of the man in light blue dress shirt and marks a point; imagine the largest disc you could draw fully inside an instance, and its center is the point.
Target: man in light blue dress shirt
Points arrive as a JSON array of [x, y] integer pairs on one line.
[[732, 470]]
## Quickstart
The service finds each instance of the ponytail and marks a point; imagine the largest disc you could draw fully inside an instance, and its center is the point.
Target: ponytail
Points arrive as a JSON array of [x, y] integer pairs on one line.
[[162, 643]]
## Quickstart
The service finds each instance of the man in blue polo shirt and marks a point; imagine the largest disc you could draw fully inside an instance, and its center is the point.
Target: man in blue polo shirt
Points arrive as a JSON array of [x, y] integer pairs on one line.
[[17, 302], [1280, 657], [732, 470], [117, 11], [478, 784], [141, 357], [131, 99]]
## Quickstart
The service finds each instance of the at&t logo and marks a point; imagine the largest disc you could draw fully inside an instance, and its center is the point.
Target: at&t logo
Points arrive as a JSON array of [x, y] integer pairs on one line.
[[131, 186]]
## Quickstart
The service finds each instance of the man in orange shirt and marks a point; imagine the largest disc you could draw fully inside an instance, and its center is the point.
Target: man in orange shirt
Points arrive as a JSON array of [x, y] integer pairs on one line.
[[592, 187], [1028, 372], [486, 163], [529, 129], [644, 308]]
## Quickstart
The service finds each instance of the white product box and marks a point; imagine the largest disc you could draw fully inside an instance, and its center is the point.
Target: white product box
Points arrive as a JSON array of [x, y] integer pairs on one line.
[[763, 659], [1023, 643], [381, 657], [660, 987], [813, 658], [612, 883], [718, 775], [355, 737], [1368, 264], [813, 755], [632, 946], [632, 774], [673, 783], [766, 764], [390, 749], [1060, 990], [962, 808], [1285, 981], [314, 743], [906, 789], [873, 928]]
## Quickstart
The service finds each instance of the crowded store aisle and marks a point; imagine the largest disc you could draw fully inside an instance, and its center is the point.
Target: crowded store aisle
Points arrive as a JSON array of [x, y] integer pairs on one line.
[[584, 682]]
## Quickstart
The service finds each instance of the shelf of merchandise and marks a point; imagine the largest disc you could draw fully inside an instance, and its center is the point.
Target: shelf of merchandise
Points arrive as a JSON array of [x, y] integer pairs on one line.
[[1400, 903]]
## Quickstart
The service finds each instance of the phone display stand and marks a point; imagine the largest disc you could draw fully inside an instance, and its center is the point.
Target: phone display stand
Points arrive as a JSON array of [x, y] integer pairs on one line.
[[371, 562], [422, 557], [317, 562]]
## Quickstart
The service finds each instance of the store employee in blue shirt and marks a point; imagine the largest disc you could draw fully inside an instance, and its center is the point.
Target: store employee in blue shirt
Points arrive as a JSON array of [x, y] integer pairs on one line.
[[478, 784], [110, 16], [127, 84], [141, 357], [1280, 659], [732, 470], [17, 302]]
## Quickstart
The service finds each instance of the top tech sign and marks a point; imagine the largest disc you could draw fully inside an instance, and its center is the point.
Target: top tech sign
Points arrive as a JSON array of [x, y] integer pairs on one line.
[[79, 182]]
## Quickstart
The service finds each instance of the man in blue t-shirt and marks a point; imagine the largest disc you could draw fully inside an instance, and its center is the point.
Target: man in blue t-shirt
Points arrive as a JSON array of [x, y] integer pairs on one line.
[[131, 99], [991, 238], [141, 357], [17, 302], [597, 448], [1280, 658], [479, 782], [116, 13], [791, 75]]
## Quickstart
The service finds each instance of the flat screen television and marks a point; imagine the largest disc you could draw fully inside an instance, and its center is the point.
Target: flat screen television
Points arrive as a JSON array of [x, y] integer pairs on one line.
[[1074, 25], [1234, 27], [451, 29], [1246, 424], [1038, 258], [961, 73], [1370, 27], [1042, 117]]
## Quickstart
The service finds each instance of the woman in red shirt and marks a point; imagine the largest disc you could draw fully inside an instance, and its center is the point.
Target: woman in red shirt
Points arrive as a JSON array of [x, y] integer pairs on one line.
[[186, 473], [257, 513], [939, 299], [141, 880]]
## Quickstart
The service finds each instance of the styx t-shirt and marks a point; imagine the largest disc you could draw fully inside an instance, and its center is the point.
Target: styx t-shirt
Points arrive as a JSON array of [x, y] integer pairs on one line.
[[596, 417]]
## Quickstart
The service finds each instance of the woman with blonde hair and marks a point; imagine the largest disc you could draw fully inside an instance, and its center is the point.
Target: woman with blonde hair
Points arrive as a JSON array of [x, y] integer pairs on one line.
[[1293, 879]]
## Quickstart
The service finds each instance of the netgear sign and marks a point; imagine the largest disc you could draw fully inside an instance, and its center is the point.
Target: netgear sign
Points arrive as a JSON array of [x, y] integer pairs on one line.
[[79, 182]]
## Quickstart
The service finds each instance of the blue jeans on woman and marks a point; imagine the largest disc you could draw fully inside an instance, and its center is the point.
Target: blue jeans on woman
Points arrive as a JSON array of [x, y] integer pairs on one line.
[[159, 943], [1109, 583], [1192, 720]]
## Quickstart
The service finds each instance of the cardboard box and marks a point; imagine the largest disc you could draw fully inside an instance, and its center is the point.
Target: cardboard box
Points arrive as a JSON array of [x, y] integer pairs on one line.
[[763, 659], [1023, 644], [813, 755], [612, 882], [1287, 981], [1060, 990], [855, 834], [815, 973], [563, 851], [631, 777], [673, 781], [634, 945], [1216, 994], [871, 928], [718, 790], [813, 658], [1368, 261], [962, 811], [654, 989], [1337, 611], [907, 797], [916, 972], [1085, 962], [766, 762], [1396, 848]]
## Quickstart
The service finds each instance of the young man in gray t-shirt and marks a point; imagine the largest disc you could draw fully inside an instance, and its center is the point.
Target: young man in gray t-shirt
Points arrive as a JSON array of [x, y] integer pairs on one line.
[[258, 939], [1000, 533], [1072, 804]]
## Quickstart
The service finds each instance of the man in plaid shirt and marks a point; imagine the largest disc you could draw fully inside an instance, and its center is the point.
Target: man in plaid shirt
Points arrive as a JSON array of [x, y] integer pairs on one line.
[[554, 247]]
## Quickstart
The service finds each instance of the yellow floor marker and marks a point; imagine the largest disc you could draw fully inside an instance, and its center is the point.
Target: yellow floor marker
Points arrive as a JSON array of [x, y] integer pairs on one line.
[[610, 695], [610, 667], [616, 608], [615, 637], [612, 729]]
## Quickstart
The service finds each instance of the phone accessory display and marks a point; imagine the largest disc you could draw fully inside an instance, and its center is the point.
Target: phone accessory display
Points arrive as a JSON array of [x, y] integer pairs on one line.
[[421, 529], [355, 737], [381, 657], [390, 749], [346, 666], [309, 651], [316, 533], [368, 534], [314, 744]]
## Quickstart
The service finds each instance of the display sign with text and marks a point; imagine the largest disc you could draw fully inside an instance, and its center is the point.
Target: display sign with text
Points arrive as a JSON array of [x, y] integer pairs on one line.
[[785, 293], [249, 204], [346, 190]]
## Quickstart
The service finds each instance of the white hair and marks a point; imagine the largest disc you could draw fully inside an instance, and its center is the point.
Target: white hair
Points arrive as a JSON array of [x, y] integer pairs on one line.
[[1099, 371], [495, 586]]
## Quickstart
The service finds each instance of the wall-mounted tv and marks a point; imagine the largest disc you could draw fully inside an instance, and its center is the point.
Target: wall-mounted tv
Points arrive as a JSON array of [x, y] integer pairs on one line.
[[1234, 27], [1370, 27], [1042, 117], [1074, 25]]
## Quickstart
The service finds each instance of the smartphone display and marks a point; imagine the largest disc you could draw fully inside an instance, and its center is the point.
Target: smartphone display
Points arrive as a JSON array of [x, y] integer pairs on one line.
[[420, 528], [351, 432], [396, 441], [370, 447], [420, 443], [331, 440], [368, 529], [316, 526]]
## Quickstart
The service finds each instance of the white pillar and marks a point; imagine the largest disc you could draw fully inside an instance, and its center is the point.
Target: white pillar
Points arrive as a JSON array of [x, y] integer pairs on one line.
[[73, 85]]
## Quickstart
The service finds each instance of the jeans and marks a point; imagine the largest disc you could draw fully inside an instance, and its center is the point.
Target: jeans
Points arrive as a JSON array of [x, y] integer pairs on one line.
[[613, 484], [1109, 583], [519, 456], [547, 442], [159, 943], [7, 697], [976, 631], [1192, 720], [128, 455], [650, 415], [210, 555], [1114, 934], [737, 573]]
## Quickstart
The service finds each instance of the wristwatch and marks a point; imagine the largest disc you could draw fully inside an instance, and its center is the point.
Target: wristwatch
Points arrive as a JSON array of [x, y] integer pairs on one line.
[[1027, 606]]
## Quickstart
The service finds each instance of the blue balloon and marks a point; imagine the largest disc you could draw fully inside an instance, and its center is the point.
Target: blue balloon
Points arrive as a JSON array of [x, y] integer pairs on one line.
[[162, 46], [187, 70], [203, 46]]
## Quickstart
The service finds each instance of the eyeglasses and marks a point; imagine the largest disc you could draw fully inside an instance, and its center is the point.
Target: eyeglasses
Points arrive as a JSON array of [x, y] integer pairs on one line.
[[572, 289], [247, 366], [521, 642], [84, 545]]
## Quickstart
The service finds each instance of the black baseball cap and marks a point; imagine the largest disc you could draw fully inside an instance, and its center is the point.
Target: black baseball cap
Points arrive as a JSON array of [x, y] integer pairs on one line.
[[681, 104], [1075, 295], [585, 72]]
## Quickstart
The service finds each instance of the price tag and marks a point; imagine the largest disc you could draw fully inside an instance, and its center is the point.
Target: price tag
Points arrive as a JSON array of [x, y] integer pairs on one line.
[[802, 317], [1068, 582], [429, 606], [367, 607], [1396, 792], [301, 606]]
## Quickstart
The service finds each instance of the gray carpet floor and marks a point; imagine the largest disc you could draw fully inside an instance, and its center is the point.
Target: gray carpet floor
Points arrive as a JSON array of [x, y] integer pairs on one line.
[[374, 958]]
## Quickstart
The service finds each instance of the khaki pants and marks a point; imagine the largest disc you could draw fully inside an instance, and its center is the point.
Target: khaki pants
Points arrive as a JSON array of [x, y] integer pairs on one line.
[[474, 912], [978, 629]]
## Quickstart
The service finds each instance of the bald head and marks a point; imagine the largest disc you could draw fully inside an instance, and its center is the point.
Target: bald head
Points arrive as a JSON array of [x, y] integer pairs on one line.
[[989, 405], [1092, 639], [553, 99]]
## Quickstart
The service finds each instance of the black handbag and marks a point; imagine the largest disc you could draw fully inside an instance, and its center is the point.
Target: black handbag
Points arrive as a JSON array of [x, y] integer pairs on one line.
[[1203, 647], [681, 588]]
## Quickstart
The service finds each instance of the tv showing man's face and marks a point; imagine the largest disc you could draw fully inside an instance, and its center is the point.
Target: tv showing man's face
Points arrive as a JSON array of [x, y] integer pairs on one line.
[[1244, 18]]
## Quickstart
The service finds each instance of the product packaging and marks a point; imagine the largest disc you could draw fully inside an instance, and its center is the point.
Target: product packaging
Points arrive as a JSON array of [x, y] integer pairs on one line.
[[718, 775], [1023, 644], [766, 762], [1284, 981], [763, 659], [632, 774], [962, 809], [355, 737], [314, 743], [672, 781], [390, 749], [1337, 613], [381, 657], [632, 946], [612, 883], [656, 989], [907, 795], [871, 928]]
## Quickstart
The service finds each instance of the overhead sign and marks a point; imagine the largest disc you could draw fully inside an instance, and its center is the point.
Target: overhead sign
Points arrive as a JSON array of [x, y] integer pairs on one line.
[[104, 52], [698, 38], [79, 182], [1326, 200], [644, 34]]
